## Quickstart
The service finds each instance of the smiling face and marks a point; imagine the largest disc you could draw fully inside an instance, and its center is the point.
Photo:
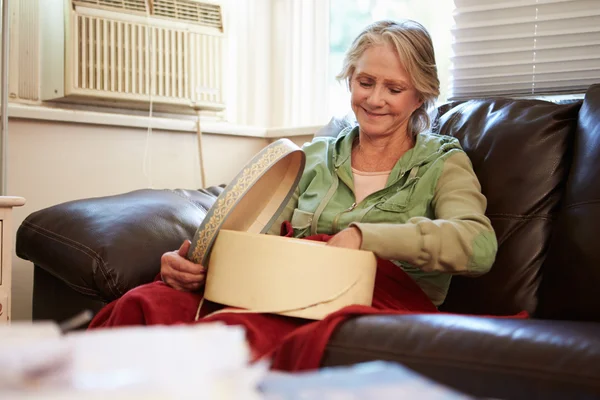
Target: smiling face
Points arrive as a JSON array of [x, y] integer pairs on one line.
[[383, 97]]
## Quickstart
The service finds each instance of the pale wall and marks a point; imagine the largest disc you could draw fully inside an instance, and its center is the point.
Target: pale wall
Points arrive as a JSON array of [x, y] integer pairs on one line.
[[51, 162]]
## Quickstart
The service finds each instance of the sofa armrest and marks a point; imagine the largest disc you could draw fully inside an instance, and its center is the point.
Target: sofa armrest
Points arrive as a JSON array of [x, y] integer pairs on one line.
[[102, 247], [500, 358]]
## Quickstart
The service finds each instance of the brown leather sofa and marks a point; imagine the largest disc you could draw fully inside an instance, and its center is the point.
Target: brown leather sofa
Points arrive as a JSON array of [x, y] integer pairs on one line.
[[539, 166]]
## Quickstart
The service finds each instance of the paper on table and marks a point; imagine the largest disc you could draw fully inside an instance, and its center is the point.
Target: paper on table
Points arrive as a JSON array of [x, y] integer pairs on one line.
[[29, 350], [369, 380], [198, 361]]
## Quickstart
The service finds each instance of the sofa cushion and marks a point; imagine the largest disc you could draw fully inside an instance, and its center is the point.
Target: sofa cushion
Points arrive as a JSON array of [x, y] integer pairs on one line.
[[104, 246], [336, 125], [571, 276], [520, 150], [483, 357]]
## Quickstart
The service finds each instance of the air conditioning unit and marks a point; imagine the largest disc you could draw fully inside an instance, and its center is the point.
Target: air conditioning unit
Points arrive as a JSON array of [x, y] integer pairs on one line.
[[130, 52]]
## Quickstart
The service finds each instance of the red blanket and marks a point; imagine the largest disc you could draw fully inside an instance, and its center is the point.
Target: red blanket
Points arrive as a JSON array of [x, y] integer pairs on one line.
[[291, 343]]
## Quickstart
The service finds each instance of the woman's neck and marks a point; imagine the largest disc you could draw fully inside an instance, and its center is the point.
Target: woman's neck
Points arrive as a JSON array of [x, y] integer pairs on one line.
[[374, 154]]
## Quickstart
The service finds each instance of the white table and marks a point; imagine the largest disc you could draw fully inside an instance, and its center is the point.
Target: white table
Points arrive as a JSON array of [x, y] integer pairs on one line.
[[6, 240]]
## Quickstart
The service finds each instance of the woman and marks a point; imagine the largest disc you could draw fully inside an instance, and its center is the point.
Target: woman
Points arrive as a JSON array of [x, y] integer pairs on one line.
[[386, 186], [400, 192]]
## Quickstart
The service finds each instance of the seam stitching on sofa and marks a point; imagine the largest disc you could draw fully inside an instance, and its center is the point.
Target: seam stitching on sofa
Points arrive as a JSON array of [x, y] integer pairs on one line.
[[107, 276], [74, 245], [582, 203], [81, 289], [188, 200], [539, 373], [101, 266], [522, 217], [77, 246], [50, 234]]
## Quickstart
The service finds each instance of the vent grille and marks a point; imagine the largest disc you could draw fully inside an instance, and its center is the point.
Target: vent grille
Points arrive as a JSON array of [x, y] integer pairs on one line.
[[133, 60], [203, 14], [130, 5]]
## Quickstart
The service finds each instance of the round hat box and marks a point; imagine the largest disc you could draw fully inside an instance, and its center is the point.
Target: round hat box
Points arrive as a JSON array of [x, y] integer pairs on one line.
[[250, 270]]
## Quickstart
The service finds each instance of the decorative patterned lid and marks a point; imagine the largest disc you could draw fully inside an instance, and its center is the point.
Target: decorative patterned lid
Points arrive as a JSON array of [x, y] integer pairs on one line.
[[255, 197]]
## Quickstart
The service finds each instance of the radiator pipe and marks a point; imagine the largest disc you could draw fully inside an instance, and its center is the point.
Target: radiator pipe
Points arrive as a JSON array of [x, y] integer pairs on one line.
[[200, 152], [4, 100]]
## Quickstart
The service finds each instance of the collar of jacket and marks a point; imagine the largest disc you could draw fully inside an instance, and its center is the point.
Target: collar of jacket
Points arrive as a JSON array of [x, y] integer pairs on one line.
[[427, 148]]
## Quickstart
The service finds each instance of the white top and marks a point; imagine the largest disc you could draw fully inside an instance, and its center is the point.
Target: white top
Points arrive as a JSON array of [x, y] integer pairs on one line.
[[366, 183]]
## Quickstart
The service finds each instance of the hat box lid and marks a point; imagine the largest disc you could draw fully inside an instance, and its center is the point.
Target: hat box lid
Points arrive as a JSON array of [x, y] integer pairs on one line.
[[254, 198]]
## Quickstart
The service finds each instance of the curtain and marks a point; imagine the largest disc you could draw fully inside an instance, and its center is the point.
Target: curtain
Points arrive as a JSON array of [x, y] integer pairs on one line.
[[300, 48], [277, 62]]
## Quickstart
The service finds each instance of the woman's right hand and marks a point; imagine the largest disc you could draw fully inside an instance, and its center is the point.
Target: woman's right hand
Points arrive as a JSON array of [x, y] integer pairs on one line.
[[179, 272]]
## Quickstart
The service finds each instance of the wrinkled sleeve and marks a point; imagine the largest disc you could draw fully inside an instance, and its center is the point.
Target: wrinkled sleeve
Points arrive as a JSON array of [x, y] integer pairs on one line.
[[460, 240]]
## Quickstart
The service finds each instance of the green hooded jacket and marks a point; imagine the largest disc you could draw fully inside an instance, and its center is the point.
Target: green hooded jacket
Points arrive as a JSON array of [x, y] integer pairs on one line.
[[428, 219]]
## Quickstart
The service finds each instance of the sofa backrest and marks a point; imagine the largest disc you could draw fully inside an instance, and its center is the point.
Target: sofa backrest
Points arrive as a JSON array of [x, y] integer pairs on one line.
[[538, 163], [571, 280], [521, 153]]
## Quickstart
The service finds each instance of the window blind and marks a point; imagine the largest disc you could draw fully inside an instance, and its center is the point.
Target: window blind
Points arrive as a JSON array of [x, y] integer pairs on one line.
[[524, 47]]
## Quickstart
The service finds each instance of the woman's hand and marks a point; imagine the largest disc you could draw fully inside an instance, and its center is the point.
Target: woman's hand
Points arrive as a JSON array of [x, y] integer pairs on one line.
[[349, 238], [179, 272]]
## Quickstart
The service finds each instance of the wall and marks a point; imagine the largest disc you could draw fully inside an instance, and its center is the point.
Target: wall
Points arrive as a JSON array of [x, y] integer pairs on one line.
[[53, 162]]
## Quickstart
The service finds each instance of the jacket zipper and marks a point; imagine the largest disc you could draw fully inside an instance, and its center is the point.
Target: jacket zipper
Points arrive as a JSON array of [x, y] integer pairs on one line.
[[337, 217], [412, 174], [323, 204], [352, 207]]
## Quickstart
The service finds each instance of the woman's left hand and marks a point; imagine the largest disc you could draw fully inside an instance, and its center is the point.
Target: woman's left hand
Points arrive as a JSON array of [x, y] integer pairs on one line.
[[349, 238]]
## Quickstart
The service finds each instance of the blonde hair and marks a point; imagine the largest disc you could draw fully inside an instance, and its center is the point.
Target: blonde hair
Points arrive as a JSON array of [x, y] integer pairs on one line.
[[414, 47]]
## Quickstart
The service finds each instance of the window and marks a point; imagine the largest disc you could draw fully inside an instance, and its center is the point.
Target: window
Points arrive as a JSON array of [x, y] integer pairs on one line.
[[349, 17], [525, 48]]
